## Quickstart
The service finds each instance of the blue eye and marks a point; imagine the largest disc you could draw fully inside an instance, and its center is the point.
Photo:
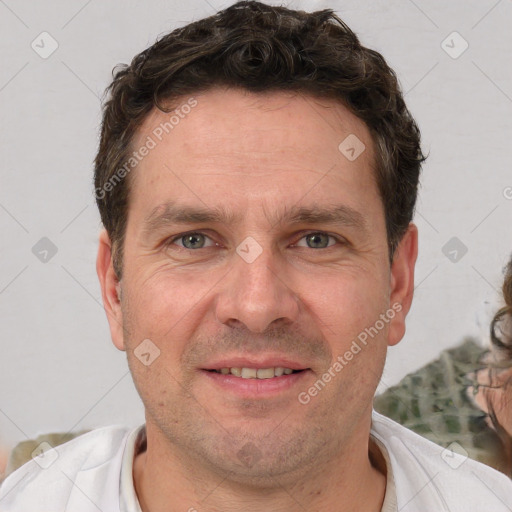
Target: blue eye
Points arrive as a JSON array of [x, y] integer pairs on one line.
[[193, 241], [196, 240], [317, 240]]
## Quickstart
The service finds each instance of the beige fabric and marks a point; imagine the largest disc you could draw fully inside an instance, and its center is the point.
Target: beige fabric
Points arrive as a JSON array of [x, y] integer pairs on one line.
[[136, 443], [23, 451], [389, 504]]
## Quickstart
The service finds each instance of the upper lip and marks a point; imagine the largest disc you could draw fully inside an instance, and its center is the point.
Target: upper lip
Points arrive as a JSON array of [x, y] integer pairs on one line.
[[255, 362]]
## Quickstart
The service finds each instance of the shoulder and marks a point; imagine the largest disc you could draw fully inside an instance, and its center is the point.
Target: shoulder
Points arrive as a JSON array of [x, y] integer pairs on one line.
[[48, 480], [427, 475]]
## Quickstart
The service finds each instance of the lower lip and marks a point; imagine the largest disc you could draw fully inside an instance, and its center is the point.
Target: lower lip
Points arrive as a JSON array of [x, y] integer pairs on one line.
[[256, 388]]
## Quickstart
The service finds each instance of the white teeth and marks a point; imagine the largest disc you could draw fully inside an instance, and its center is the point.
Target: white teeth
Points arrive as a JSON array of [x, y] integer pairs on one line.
[[256, 373], [265, 373], [249, 373]]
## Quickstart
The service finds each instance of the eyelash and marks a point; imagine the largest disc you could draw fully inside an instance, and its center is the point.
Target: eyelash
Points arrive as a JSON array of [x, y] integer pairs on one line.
[[171, 241]]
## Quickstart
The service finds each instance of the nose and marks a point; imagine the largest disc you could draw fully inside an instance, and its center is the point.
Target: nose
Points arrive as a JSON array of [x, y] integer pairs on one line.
[[257, 294]]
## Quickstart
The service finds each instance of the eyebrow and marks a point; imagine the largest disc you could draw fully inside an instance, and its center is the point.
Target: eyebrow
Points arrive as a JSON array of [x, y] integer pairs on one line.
[[172, 213], [341, 214]]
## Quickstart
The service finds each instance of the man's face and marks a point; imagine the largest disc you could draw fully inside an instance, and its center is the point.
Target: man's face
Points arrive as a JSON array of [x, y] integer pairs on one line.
[[254, 242]]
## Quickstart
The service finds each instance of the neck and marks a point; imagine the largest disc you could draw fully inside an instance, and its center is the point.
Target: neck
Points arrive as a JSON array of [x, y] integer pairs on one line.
[[353, 479]]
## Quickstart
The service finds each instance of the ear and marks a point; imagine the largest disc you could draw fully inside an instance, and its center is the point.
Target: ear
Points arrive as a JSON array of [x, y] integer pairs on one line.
[[110, 289], [402, 283]]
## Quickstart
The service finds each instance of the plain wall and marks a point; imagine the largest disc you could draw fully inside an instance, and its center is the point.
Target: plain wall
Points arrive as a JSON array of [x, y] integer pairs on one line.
[[58, 368]]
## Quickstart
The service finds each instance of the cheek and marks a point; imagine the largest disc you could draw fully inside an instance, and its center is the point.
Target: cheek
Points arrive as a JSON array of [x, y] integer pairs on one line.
[[349, 315], [164, 301], [349, 304]]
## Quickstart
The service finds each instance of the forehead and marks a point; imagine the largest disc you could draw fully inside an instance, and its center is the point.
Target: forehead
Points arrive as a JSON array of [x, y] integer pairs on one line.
[[258, 149], [294, 123]]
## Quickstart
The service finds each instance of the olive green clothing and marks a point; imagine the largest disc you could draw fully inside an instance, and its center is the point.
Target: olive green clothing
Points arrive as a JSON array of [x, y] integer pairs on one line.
[[433, 402]]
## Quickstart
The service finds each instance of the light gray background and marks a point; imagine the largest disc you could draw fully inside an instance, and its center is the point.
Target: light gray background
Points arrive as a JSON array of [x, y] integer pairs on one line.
[[58, 368]]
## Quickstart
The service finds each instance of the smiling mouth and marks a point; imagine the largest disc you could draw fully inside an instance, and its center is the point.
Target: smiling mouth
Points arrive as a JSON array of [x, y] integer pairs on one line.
[[256, 373]]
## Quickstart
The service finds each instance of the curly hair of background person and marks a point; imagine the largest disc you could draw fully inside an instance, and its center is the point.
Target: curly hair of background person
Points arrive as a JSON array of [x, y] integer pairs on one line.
[[493, 393]]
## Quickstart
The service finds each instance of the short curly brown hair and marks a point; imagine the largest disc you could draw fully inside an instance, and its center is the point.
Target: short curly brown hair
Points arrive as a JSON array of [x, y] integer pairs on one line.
[[261, 48]]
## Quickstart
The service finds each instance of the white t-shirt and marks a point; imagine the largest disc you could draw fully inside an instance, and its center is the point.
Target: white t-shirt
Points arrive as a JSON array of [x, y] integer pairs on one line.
[[94, 472]]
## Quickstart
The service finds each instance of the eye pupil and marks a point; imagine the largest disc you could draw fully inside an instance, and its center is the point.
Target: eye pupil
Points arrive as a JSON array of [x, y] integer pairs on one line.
[[318, 240], [194, 241]]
